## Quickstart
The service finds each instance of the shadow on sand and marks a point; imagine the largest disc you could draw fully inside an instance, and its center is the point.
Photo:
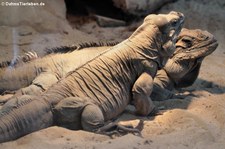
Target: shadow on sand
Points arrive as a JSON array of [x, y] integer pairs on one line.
[[197, 90]]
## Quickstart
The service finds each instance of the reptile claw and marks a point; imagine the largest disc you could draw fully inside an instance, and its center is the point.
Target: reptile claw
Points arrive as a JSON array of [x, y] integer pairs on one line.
[[4, 98], [117, 129], [29, 56], [7, 92], [182, 95], [155, 112]]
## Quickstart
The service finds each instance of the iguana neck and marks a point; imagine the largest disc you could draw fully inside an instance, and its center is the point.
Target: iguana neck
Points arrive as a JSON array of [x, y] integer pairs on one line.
[[147, 43]]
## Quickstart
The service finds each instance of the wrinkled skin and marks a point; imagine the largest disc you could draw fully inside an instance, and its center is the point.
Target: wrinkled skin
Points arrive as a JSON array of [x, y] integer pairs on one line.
[[169, 33], [50, 70], [191, 48], [182, 69], [100, 89]]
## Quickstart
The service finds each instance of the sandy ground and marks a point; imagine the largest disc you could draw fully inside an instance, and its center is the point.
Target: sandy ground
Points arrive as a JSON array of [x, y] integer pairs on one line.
[[195, 122]]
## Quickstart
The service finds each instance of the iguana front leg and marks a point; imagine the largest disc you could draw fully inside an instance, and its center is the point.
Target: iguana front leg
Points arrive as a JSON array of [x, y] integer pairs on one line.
[[141, 92], [162, 86], [39, 85]]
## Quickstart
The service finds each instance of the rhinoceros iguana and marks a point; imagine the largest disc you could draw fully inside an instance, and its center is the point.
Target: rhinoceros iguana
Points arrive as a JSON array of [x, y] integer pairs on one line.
[[182, 69], [36, 77], [100, 89]]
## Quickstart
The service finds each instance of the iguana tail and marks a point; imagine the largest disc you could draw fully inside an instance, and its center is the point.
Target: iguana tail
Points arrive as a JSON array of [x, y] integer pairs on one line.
[[24, 116]]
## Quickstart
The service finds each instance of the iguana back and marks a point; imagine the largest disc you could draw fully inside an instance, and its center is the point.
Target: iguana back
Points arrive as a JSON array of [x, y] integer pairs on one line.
[[39, 74]]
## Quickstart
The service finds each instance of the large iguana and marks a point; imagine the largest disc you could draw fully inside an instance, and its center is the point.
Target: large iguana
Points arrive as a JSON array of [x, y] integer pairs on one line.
[[41, 73], [100, 89], [181, 70]]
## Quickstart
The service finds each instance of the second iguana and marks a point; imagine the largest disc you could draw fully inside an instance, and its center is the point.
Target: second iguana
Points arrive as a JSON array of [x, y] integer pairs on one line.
[[182, 69], [100, 89]]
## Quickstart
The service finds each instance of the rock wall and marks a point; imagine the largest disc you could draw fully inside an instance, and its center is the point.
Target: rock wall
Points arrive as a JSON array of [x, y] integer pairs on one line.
[[49, 16], [34, 28], [140, 7]]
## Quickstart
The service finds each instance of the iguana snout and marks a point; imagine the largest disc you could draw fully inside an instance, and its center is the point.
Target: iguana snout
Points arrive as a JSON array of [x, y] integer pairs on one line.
[[191, 48], [170, 23], [164, 27], [194, 44]]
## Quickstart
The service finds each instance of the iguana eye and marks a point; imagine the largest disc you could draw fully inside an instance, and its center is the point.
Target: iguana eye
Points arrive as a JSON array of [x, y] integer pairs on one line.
[[203, 37], [174, 22], [187, 41]]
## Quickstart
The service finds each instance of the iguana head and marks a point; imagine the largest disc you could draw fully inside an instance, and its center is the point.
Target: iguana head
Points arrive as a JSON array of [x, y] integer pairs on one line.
[[161, 30], [191, 48], [170, 26], [194, 44]]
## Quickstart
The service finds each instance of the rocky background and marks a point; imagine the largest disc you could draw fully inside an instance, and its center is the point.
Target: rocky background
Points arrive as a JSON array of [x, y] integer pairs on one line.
[[190, 123]]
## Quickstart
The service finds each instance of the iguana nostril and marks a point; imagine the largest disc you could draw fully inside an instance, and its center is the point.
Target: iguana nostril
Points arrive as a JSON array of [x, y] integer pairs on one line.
[[181, 15]]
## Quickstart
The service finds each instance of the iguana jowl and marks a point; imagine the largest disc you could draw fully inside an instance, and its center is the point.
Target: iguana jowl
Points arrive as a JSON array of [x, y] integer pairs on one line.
[[101, 88], [182, 69]]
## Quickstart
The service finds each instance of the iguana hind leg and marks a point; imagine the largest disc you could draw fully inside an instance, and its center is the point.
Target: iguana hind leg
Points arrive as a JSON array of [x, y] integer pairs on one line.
[[93, 120], [78, 113]]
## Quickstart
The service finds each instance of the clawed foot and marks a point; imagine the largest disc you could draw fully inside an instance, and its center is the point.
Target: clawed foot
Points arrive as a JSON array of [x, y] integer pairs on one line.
[[7, 92], [4, 98], [117, 129], [182, 95], [29, 56], [156, 111]]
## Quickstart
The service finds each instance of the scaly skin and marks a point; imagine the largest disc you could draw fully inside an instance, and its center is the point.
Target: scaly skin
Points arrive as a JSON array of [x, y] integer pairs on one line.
[[37, 75], [41, 73], [101, 89], [182, 69]]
